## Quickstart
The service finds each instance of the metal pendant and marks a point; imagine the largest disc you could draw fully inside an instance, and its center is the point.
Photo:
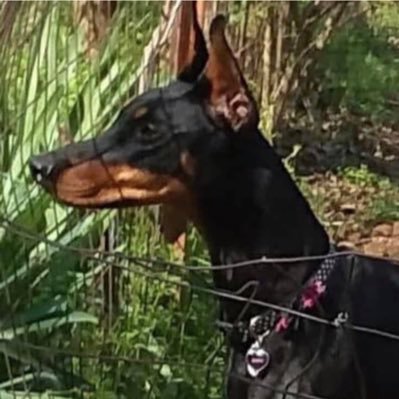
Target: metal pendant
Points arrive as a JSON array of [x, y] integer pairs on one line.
[[256, 359]]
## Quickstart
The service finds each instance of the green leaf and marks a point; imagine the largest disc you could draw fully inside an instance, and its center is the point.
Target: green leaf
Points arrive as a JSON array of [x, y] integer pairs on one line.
[[38, 312], [30, 395], [49, 324]]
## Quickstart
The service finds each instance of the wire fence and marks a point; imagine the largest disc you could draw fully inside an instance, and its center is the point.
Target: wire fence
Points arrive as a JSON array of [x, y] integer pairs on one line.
[[155, 269], [89, 306]]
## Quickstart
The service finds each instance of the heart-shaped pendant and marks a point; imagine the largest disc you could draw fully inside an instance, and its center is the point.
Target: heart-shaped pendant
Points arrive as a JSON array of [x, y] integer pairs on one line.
[[256, 359]]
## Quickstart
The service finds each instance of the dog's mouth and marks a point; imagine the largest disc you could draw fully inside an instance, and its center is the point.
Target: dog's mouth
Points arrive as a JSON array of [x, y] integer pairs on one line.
[[96, 185], [93, 183]]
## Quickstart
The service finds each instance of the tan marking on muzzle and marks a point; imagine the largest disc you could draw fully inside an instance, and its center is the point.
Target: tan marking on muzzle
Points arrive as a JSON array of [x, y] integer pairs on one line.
[[93, 183]]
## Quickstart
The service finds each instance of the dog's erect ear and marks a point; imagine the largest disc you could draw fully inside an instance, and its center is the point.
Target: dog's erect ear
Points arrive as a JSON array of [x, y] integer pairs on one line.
[[194, 56], [230, 97]]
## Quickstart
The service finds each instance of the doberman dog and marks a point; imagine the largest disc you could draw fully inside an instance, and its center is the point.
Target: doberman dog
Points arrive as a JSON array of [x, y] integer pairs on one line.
[[195, 145]]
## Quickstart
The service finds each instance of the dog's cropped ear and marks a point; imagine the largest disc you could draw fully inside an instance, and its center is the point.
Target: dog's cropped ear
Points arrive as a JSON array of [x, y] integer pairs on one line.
[[195, 55], [230, 97]]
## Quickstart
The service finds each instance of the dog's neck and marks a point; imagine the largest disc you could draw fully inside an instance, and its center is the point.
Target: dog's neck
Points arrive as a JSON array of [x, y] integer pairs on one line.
[[250, 207]]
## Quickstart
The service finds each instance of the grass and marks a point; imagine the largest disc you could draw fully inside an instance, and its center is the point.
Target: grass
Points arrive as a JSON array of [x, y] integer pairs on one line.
[[146, 331], [50, 294]]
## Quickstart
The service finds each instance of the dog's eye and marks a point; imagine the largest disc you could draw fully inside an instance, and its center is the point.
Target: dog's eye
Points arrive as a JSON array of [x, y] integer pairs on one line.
[[148, 130]]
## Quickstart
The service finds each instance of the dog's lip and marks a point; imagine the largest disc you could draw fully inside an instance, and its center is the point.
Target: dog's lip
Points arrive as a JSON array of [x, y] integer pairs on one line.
[[44, 182]]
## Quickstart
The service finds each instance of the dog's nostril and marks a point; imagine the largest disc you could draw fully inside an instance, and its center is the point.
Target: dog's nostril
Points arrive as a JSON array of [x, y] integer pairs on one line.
[[40, 168]]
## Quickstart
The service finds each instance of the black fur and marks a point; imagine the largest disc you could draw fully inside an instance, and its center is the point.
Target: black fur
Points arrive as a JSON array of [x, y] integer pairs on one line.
[[249, 207]]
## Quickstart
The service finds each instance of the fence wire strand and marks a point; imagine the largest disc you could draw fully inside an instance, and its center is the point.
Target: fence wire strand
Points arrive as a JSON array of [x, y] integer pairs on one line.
[[64, 77], [146, 264], [98, 256]]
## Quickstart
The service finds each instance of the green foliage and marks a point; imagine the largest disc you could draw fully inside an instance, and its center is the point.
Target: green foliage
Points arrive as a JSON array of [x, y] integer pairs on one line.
[[53, 296], [145, 330], [359, 68], [384, 205], [361, 176], [385, 17]]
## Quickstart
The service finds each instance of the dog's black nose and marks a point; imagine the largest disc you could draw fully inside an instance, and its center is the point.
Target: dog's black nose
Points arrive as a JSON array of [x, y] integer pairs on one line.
[[41, 167]]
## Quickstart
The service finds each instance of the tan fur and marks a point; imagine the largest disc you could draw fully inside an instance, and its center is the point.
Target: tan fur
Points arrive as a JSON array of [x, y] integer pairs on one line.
[[94, 184]]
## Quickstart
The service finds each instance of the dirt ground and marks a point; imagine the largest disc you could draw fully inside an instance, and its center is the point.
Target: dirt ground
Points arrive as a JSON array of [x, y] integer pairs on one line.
[[358, 210]]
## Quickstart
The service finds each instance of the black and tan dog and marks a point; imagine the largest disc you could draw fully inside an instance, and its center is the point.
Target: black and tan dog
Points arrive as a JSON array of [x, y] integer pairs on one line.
[[195, 145]]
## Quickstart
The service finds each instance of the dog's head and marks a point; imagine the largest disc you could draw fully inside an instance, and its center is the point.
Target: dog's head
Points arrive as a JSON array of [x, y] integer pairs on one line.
[[148, 155]]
